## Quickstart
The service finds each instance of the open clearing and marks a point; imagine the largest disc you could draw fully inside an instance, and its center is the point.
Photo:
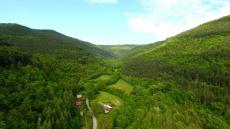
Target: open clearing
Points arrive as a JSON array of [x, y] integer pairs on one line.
[[105, 120], [105, 97], [104, 77], [123, 86]]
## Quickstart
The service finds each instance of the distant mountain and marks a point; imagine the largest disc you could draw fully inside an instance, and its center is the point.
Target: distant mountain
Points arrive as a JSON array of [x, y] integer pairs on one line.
[[119, 50], [182, 82], [44, 40]]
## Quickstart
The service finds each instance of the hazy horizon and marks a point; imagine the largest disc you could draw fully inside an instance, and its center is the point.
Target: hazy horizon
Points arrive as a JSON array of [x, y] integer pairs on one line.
[[110, 22]]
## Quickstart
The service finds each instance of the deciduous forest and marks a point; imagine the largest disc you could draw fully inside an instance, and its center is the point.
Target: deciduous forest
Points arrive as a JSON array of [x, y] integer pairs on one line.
[[182, 82]]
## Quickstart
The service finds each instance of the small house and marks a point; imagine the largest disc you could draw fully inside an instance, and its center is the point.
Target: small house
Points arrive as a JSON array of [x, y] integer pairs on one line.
[[78, 101], [107, 108]]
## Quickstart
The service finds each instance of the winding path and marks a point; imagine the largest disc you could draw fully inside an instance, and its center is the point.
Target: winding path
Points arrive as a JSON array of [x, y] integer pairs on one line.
[[93, 116]]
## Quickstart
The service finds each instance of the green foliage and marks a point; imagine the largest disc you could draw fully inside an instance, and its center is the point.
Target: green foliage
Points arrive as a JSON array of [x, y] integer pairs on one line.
[[123, 86], [179, 83], [201, 55], [162, 106], [215, 123], [197, 61], [12, 57], [119, 50], [227, 115], [44, 40], [113, 79], [39, 90]]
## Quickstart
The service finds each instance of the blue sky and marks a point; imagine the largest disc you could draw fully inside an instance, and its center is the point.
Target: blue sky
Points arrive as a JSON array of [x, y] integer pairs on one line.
[[114, 21]]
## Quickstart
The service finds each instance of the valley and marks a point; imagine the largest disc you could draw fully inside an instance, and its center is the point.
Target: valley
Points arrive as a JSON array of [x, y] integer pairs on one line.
[[180, 83]]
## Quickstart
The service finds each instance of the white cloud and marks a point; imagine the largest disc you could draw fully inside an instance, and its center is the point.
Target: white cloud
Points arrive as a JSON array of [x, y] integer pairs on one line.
[[165, 18], [101, 1]]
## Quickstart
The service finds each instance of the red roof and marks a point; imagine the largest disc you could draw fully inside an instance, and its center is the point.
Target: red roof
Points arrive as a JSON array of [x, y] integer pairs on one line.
[[78, 103]]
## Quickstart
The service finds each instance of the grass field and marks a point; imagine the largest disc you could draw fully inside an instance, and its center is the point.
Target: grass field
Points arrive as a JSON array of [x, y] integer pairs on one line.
[[104, 77], [123, 86], [105, 97], [105, 120], [89, 122]]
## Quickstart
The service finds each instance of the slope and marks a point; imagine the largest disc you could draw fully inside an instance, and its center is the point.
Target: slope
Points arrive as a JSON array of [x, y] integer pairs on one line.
[[199, 54], [118, 50], [41, 73], [44, 40], [197, 60]]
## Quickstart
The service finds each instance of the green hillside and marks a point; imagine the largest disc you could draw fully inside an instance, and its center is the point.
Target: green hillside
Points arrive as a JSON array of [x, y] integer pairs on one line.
[[119, 50], [197, 60], [44, 40], [41, 73], [180, 83], [199, 54]]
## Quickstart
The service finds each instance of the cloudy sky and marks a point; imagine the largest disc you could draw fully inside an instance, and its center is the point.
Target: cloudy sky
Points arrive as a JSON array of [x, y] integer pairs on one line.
[[114, 21]]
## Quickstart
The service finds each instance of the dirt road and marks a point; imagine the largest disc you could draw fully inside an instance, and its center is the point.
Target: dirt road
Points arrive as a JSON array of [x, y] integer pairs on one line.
[[93, 116]]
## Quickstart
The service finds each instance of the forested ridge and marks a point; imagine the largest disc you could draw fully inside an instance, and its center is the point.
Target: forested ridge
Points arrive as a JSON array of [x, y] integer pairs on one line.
[[192, 54], [39, 90], [180, 83], [40, 79], [35, 40], [196, 60]]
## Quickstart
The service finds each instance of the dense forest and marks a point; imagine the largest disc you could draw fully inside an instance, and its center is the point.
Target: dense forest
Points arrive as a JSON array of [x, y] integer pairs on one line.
[[196, 60], [39, 86], [180, 83]]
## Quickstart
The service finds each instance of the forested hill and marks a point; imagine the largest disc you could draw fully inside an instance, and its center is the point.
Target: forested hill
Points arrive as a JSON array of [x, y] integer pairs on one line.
[[182, 82], [41, 73], [198, 59], [202, 53], [119, 50], [44, 40]]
